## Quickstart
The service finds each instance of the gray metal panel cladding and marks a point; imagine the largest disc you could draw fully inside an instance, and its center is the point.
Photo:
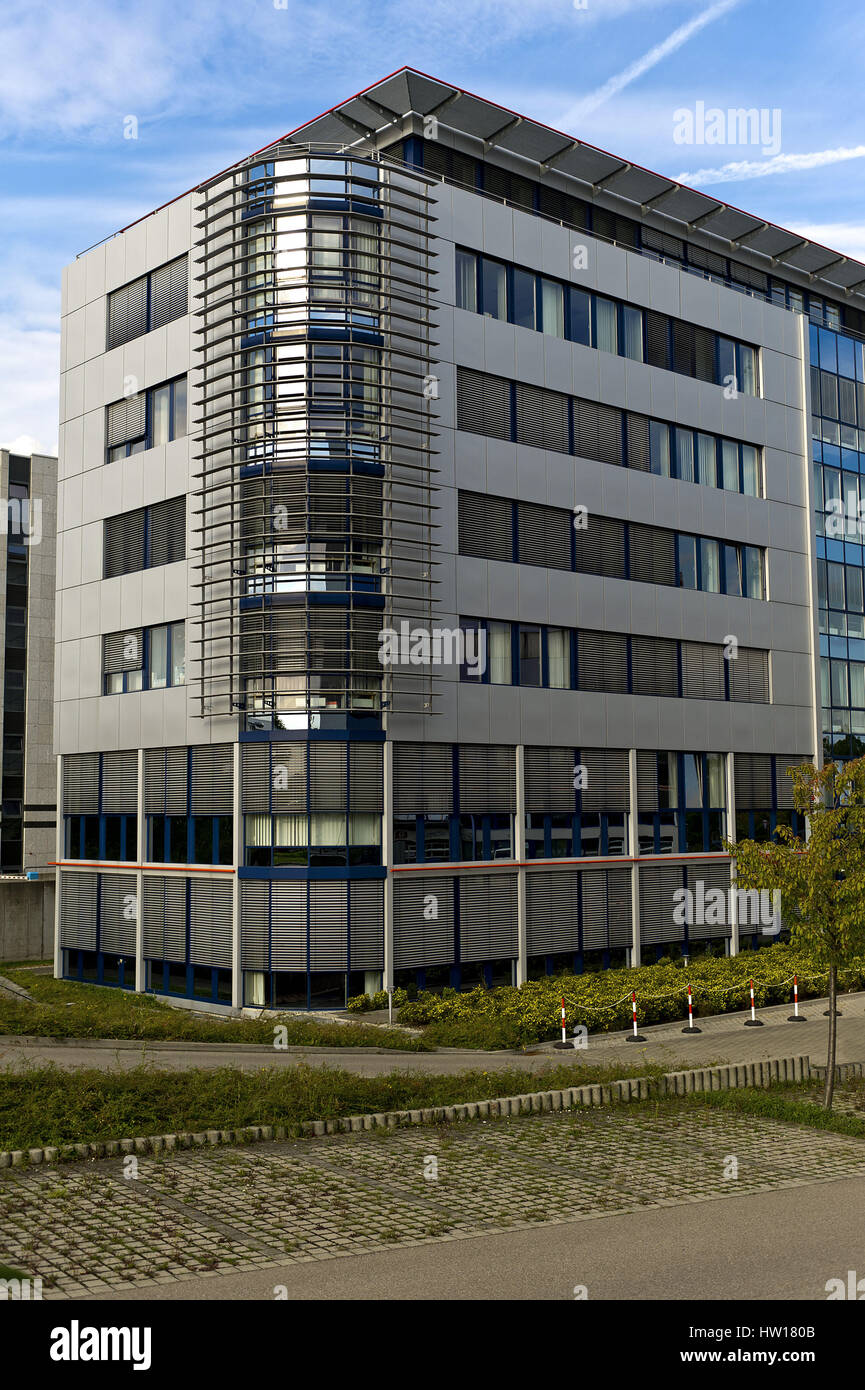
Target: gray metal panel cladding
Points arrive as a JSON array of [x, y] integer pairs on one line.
[[123, 651], [165, 781], [327, 776], [126, 419], [127, 313], [255, 924], [164, 925], [658, 884], [212, 783], [120, 782], [749, 676], [78, 910], [168, 292], [602, 661], [544, 536], [652, 553], [118, 913], [607, 785], [422, 778], [487, 777], [703, 670], [289, 925], [486, 526], [542, 418], [423, 920], [714, 874], [600, 547], [365, 777], [366, 918], [752, 778], [488, 917], [483, 403], [552, 912], [81, 784], [654, 666], [210, 919], [783, 783], [328, 928], [123, 542], [549, 780]]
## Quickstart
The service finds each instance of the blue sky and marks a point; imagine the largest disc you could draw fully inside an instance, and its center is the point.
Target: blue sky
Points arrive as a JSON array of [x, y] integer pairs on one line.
[[210, 81]]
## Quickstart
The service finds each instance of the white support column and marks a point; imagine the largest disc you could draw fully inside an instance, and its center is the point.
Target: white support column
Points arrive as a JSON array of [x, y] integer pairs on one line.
[[387, 861], [237, 858], [60, 846], [140, 856], [731, 835], [520, 854], [634, 853]]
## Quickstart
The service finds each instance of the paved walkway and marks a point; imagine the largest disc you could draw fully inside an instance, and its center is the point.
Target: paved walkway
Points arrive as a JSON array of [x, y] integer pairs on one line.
[[723, 1039], [277, 1213]]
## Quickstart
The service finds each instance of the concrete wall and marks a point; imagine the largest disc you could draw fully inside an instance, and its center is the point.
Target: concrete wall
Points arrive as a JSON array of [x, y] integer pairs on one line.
[[26, 919]]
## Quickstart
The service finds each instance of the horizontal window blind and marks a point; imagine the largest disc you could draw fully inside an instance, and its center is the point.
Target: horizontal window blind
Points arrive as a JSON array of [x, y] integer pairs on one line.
[[289, 926], [255, 924], [127, 313], [598, 432], [714, 875], [486, 526], [639, 456], [488, 917], [126, 419], [658, 884], [366, 924], [168, 292], [487, 778], [423, 908], [123, 543], [165, 781], [544, 536], [212, 780], [654, 666], [422, 778], [120, 783], [78, 910], [549, 780], [552, 912], [210, 919], [749, 676], [365, 777], [602, 661], [783, 783], [81, 784], [167, 526], [647, 780], [607, 784], [164, 925], [703, 671], [652, 554], [483, 403], [327, 776], [118, 914], [657, 339], [606, 909], [542, 418], [123, 651], [752, 779], [328, 925], [600, 547]]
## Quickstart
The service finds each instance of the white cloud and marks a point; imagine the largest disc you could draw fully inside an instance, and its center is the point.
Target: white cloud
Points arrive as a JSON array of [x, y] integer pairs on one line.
[[739, 170]]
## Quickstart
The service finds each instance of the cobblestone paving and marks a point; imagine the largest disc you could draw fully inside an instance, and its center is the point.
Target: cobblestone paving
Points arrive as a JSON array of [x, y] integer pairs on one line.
[[88, 1228]]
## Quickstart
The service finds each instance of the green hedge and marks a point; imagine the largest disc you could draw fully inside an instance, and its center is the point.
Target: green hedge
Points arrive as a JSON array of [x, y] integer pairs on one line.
[[509, 1017]]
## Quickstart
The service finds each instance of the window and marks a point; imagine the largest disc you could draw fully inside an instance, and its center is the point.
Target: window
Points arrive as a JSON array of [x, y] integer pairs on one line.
[[530, 656], [659, 448], [558, 658], [553, 308], [632, 333], [494, 297], [524, 312], [467, 282], [145, 538], [687, 575], [144, 659], [147, 303], [607, 337], [145, 420]]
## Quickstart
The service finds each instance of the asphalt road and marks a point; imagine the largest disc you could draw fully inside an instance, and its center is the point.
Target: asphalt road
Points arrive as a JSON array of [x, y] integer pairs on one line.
[[781, 1245]]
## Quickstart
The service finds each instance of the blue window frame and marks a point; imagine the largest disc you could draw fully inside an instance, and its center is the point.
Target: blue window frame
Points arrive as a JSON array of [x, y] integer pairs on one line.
[[165, 419], [163, 662]]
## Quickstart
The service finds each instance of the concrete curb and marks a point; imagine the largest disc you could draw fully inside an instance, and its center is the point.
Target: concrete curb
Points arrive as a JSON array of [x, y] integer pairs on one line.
[[676, 1083], [163, 1045]]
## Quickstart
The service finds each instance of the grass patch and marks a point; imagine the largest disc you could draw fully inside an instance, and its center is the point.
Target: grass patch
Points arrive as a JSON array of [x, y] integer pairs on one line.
[[68, 1009], [797, 1103], [48, 1105]]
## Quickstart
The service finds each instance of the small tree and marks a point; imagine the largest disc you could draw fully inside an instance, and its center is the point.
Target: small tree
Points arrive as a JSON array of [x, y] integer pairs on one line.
[[821, 878]]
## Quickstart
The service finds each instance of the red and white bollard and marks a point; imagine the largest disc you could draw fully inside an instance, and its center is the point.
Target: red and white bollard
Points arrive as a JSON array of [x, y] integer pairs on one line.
[[795, 1016], [564, 1042], [753, 1021], [635, 1036], [690, 1028]]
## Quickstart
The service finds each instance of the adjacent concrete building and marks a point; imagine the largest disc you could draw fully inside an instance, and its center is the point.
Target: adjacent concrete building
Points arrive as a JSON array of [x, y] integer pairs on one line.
[[442, 568], [28, 820]]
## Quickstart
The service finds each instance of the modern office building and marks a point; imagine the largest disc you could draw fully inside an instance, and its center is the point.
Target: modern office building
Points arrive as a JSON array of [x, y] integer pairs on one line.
[[443, 568], [28, 816]]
